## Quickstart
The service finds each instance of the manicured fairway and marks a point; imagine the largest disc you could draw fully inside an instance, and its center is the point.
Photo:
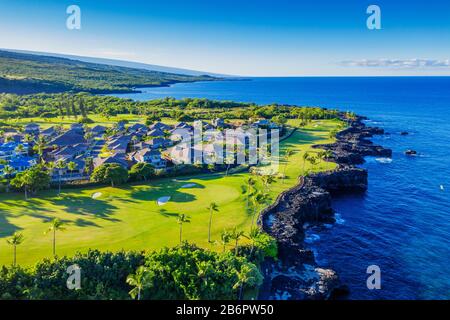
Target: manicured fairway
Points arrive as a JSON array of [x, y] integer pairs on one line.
[[129, 217]]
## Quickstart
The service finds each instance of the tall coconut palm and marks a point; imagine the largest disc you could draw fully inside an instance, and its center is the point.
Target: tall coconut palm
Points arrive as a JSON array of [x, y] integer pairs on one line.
[[247, 275], [254, 235], [8, 171], [71, 166], [88, 137], [22, 181], [327, 154], [258, 199], [267, 180], [138, 281], [55, 225], [40, 146], [225, 239], [15, 240], [134, 140], [19, 149], [305, 158], [182, 218], [236, 235], [28, 138], [213, 207], [229, 160], [251, 182], [50, 167], [313, 161], [60, 165]]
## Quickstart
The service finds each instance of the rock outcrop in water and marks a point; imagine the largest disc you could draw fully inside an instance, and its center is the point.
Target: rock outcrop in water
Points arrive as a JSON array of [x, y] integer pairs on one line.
[[296, 275]]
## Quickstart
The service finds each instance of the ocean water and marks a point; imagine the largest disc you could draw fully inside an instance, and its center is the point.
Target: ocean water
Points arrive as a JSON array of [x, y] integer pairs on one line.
[[402, 223]]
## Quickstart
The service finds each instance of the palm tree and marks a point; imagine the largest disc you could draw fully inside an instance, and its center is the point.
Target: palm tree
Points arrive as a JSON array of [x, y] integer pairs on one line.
[[229, 160], [134, 139], [254, 235], [60, 165], [305, 158], [56, 225], [213, 207], [40, 146], [50, 167], [71, 166], [22, 181], [15, 240], [313, 161], [225, 238], [8, 171], [182, 218], [245, 275], [250, 190], [27, 138], [327, 154], [138, 281], [236, 236], [287, 154], [267, 180], [19, 149], [88, 137], [258, 199]]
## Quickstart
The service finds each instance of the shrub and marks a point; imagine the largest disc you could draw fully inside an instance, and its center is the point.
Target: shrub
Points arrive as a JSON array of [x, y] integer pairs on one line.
[[110, 173], [141, 171], [189, 272], [86, 120], [103, 276]]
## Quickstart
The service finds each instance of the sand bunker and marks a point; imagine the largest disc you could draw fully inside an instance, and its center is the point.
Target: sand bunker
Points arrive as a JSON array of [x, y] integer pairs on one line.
[[96, 195], [163, 200], [189, 185]]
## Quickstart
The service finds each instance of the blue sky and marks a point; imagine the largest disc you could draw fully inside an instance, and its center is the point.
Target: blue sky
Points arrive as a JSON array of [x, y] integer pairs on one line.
[[242, 37]]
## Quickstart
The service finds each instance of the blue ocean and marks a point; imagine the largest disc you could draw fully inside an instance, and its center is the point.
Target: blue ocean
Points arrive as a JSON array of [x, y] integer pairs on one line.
[[402, 223]]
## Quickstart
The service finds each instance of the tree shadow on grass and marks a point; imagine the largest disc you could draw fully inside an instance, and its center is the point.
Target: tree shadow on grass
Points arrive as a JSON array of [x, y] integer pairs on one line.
[[85, 223], [167, 214], [27, 207], [153, 193], [7, 228], [84, 205]]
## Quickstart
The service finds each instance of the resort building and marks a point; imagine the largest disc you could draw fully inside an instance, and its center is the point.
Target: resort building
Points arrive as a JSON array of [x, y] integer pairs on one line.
[[152, 157], [32, 128]]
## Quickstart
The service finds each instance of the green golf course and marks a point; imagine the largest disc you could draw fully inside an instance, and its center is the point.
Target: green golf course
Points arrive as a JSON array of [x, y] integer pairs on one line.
[[129, 216]]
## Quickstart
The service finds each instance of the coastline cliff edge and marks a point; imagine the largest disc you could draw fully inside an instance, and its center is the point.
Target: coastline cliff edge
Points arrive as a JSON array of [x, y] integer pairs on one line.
[[295, 275]]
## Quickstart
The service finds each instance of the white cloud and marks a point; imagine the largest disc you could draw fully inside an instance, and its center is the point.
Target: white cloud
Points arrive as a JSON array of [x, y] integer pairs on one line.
[[398, 63]]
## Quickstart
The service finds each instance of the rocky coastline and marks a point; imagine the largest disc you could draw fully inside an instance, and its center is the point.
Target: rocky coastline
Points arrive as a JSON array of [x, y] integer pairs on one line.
[[296, 275]]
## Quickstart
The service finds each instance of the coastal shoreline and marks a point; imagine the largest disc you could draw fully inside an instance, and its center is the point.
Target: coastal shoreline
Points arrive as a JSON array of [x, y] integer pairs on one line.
[[296, 274]]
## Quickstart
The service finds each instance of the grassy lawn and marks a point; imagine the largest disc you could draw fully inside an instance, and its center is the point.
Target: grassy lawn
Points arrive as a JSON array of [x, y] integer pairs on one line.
[[128, 217]]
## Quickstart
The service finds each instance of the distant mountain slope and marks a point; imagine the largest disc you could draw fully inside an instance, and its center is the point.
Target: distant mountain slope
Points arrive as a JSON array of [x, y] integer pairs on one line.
[[30, 73], [123, 63]]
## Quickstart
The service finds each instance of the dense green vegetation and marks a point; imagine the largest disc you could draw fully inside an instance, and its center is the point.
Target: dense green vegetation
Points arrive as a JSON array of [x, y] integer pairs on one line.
[[28, 73], [82, 105], [182, 272]]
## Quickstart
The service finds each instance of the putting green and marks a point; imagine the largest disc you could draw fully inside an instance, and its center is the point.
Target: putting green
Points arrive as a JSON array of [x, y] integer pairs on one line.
[[128, 217]]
